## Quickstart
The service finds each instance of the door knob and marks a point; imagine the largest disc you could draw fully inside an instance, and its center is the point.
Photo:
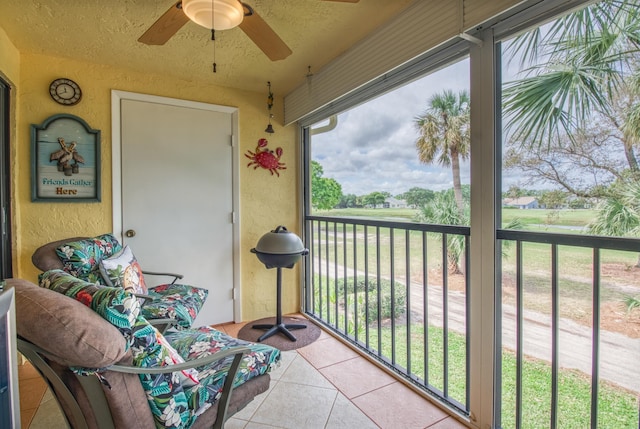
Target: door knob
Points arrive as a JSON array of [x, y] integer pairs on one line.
[[130, 233]]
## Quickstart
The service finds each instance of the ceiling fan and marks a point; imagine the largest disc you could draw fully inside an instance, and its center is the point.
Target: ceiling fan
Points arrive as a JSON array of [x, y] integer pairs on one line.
[[252, 24]]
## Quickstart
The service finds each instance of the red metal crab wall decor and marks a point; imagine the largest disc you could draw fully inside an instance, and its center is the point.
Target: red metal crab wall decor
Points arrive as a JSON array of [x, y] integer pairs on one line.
[[266, 158]]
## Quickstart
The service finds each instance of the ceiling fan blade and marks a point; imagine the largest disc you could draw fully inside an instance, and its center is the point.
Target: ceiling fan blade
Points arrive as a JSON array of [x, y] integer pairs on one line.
[[165, 27], [264, 37]]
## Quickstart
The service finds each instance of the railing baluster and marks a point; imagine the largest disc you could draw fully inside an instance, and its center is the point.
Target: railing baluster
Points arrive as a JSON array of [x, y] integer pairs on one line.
[[425, 307], [555, 326], [320, 283], [445, 317], [319, 274], [378, 279], [335, 273], [467, 295], [407, 257], [344, 275], [355, 284], [366, 283], [392, 246], [595, 341], [319, 310], [519, 329]]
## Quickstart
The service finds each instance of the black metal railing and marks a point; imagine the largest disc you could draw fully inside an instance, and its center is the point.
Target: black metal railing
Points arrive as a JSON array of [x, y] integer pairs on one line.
[[565, 343], [400, 292], [388, 287]]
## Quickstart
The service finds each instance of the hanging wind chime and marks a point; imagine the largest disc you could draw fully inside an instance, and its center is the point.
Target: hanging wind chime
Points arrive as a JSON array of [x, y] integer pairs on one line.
[[269, 128]]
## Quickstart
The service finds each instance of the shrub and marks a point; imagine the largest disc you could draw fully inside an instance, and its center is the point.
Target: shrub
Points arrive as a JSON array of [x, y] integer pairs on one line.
[[399, 291]]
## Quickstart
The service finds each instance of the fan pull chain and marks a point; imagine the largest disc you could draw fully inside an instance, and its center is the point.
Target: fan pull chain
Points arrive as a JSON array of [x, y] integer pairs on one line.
[[213, 32], [213, 38]]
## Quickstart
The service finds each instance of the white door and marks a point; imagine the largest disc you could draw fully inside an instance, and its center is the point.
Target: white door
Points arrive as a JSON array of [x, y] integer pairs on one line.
[[177, 196]]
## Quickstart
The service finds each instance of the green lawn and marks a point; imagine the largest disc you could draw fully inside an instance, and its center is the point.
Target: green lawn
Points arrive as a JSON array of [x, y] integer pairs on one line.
[[617, 408], [535, 219], [564, 217], [389, 214]]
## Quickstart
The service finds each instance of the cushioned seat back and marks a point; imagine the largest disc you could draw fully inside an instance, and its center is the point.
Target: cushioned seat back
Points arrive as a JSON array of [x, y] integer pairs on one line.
[[75, 335], [80, 256], [45, 257]]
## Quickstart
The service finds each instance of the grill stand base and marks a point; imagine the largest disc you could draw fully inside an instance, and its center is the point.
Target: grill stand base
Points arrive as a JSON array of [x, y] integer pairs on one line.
[[279, 325]]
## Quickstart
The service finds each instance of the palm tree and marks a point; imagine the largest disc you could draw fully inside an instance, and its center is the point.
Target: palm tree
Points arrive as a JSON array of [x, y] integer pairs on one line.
[[444, 134], [578, 66], [443, 210], [619, 214]]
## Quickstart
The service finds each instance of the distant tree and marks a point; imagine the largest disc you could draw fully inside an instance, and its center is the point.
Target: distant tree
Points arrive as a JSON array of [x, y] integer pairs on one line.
[[594, 151], [552, 199], [444, 134], [325, 192], [376, 198], [578, 203], [347, 201], [417, 197], [515, 192]]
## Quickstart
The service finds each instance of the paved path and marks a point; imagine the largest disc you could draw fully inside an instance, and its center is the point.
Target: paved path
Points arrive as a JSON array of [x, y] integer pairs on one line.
[[619, 354]]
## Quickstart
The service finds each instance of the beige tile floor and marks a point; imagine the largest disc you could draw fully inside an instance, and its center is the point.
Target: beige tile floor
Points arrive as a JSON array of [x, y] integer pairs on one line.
[[323, 385]]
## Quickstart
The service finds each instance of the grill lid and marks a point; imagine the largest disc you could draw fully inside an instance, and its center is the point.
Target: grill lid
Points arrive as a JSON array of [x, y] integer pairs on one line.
[[280, 242]]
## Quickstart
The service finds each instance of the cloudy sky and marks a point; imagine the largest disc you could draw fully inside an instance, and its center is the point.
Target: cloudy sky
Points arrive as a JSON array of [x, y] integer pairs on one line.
[[373, 146]]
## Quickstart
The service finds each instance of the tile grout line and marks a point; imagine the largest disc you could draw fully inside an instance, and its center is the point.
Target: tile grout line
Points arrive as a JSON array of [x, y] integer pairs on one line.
[[335, 399], [341, 392]]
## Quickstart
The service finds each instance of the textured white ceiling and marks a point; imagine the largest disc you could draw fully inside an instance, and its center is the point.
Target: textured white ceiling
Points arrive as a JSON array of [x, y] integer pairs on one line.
[[106, 31]]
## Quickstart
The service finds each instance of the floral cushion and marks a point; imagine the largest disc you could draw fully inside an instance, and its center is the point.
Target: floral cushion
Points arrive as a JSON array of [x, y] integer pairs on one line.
[[165, 392], [176, 301], [188, 377], [123, 270], [176, 402], [81, 258], [204, 341], [116, 306]]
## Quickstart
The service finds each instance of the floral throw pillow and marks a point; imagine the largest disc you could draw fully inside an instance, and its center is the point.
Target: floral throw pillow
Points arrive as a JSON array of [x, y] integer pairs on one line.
[[123, 270]]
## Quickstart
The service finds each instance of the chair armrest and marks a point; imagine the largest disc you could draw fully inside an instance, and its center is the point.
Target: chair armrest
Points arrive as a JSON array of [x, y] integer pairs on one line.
[[162, 324], [227, 388], [145, 297], [155, 273], [193, 363]]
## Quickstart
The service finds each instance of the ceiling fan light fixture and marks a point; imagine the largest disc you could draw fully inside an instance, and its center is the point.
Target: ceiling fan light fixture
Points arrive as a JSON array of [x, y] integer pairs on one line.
[[225, 14]]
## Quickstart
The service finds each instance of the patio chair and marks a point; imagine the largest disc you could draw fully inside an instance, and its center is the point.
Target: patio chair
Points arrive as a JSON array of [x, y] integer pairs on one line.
[[114, 375], [89, 259]]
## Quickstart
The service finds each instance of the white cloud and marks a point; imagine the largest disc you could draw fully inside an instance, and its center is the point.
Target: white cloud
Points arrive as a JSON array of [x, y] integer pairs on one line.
[[373, 146]]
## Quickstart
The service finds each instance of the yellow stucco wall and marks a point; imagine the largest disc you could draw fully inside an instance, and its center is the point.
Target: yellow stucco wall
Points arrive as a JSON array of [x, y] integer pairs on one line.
[[265, 200], [9, 58]]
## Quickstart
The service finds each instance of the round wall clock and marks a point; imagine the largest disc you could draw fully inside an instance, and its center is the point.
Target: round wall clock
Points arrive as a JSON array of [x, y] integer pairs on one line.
[[65, 91]]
